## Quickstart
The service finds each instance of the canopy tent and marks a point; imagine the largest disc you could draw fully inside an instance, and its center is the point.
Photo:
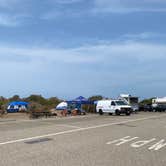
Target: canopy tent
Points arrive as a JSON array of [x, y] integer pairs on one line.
[[80, 100], [62, 106], [17, 106]]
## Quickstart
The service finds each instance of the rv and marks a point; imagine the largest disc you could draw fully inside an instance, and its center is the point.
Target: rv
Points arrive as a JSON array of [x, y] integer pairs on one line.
[[159, 104], [130, 100], [116, 107]]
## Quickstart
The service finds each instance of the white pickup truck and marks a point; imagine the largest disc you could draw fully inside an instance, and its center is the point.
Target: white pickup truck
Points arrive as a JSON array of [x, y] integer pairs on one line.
[[116, 107]]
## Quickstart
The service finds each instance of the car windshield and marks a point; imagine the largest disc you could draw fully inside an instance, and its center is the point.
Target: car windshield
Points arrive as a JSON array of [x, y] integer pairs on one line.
[[120, 103]]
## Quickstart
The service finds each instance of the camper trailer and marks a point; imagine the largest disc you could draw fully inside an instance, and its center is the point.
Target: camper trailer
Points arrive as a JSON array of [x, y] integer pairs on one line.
[[130, 100], [159, 104]]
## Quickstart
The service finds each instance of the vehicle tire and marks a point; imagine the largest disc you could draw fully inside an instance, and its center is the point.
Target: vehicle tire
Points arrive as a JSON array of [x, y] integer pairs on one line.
[[117, 112], [100, 112], [128, 113], [136, 111]]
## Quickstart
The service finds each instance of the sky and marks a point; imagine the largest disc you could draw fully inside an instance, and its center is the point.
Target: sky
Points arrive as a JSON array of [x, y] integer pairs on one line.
[[68, 48]]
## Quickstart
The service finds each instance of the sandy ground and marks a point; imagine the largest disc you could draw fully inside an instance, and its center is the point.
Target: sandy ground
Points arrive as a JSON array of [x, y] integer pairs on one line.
[[14, 116], [25, 116]]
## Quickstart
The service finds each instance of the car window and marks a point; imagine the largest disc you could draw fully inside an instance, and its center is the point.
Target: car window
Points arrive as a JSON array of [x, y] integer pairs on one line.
[[113, 103]]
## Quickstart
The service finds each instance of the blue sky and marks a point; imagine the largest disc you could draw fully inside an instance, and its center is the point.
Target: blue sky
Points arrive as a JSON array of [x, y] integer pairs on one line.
[[68, 48]]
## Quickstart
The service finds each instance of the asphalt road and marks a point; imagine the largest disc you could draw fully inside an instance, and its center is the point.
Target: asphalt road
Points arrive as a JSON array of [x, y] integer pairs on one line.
[[91, 140]]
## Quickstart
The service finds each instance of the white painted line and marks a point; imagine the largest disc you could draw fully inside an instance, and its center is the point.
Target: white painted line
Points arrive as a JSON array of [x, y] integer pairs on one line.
[[139, 143], [71, 126], [76, 130]]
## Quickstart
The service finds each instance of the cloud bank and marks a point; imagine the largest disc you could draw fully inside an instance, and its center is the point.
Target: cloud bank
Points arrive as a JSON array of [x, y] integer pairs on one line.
[[127, 6], [17, 12], [89, 53], [131, 67]]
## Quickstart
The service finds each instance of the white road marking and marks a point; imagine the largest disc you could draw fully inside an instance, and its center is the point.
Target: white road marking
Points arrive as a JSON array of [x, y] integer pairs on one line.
[[158, 145], [71, 126], [122, 140], [138, 144], [141, 143], [76, 130], [12, 121]]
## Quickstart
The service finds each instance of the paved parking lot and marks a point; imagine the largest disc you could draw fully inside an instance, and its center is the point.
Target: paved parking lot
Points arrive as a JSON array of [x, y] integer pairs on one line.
[[90, 140]]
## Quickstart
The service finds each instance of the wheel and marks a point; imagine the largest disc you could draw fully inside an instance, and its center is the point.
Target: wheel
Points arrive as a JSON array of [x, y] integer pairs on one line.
[[100, 112], [117, 112], [136, 111], [128, 113]]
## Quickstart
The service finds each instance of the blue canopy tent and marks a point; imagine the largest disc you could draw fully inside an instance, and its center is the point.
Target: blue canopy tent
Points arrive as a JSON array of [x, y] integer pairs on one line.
[[78, 102], [17, 106]]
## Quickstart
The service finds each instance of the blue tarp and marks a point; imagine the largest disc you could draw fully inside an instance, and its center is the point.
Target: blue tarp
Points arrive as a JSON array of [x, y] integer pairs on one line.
[[15, 105], [18, 103]]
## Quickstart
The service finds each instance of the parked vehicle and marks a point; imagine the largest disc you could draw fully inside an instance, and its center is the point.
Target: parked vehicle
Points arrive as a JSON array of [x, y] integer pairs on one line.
[[159, 104], [130, 100], [146, 107], [116, 107]]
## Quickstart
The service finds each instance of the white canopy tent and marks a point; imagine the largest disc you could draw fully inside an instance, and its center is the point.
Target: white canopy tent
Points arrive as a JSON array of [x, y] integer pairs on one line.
[[62, 106]]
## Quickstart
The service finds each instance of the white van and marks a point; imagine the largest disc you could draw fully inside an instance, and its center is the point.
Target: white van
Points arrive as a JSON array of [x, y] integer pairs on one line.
[[116, 107]]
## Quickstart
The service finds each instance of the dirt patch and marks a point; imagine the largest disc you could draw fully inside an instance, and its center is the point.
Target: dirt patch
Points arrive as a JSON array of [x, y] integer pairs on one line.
[[16, 116]]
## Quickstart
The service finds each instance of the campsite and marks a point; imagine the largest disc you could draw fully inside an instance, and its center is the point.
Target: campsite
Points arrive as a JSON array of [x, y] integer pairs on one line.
[[36, 106]]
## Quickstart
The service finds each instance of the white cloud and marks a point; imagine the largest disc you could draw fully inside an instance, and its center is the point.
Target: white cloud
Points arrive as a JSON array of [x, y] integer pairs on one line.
[[9, 4], [59, 70], [144, 35], [8, 21], [13, 12], [52, 15], [16, 6], [66, 1], [126, 6], [87, 54], [44, 55]]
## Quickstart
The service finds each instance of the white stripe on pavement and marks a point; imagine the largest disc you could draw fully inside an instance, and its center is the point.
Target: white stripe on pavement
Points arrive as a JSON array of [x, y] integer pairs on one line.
[[66, 125], [76, 130]]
